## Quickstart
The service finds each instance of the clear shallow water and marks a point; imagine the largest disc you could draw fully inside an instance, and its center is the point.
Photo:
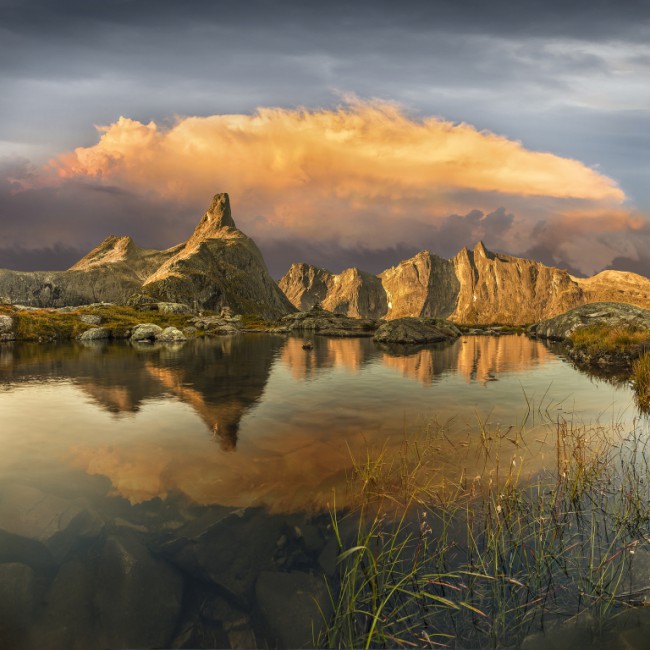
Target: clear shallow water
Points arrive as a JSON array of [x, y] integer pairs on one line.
[[257, 419], [160, 443]]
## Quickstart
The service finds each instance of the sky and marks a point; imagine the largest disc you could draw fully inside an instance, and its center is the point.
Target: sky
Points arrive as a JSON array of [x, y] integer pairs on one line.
[[346, 133]]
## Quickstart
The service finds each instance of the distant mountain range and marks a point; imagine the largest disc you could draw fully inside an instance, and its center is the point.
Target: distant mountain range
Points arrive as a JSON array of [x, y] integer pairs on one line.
[[475, 286], [220, 266]]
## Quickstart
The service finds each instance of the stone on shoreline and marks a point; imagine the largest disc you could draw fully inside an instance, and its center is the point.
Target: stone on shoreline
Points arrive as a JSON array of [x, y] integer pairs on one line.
[[95, 334], [171, 335], [7, 328], [146, 332]]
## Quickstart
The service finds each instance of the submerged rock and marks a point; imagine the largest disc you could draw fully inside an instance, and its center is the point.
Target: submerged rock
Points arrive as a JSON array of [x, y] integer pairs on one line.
[[611, 314], [16, 602], [39, 528], [68, 621], [138, 597], [294, 605], [229, 551], [325, 323], [416, 330]]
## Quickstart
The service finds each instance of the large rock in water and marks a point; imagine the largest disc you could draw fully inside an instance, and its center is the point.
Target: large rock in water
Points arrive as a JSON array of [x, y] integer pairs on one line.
[[416, 330], [321, 321], [611, 314], [476, 286], [217, 266]]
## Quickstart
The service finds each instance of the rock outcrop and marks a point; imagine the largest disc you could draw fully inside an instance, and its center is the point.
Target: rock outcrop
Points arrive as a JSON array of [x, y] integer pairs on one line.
[[474, 287], [416, 330], [353, 292], [611, 314], [320, 321], [217, 266]]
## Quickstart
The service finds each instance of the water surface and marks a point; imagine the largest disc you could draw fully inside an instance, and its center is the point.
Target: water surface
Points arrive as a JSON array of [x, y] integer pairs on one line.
[[177, 495]]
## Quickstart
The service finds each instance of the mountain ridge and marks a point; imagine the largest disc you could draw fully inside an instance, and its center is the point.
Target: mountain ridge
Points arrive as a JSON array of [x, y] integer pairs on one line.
[[476, 286], [217, 266]]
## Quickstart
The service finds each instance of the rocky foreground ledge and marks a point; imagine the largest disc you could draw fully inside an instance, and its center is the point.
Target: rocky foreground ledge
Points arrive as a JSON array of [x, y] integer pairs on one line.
[[601, 333], [163, 322]]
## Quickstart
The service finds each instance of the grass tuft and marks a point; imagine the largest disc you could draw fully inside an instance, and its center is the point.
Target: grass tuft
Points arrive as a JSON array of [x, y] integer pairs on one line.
[[485, 561], [602, 339]]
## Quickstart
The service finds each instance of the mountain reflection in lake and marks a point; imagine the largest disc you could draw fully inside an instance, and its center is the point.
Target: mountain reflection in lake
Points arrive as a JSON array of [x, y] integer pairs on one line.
[[258, 420], [176, 495]]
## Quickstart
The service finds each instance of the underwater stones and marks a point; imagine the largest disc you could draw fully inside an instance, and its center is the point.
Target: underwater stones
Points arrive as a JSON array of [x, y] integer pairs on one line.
[[294, 606], [416, 330], [16, 601], [39, 528], [231, 552], [68, 621], [140, 597]]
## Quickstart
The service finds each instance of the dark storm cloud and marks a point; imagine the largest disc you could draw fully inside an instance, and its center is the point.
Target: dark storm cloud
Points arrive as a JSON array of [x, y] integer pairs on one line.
[[279, 256], [63, 223], [48, 258], [562, 76], [78, 63]]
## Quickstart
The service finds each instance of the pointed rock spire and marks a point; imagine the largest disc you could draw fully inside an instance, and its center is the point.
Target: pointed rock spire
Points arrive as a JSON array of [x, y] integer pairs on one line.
[[480, 249], [218, 215]]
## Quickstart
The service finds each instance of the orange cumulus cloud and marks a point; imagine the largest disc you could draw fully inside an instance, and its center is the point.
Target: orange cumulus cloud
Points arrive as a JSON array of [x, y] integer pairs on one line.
[[292, 166]]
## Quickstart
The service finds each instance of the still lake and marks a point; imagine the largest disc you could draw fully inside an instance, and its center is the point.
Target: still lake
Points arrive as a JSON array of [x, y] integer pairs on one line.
[[158, 443]]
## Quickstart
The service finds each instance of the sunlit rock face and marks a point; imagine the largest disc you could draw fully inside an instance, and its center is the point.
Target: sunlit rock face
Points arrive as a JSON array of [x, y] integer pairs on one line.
[[352, 293], [498, 288], [474, 287], [217, 266]]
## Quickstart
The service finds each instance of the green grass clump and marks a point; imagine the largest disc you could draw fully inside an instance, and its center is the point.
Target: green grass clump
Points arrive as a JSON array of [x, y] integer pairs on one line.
[[641, 379], [603, 339], [254, 322]]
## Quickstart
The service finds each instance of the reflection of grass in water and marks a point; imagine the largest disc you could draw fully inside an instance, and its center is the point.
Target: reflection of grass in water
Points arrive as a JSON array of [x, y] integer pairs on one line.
[[484, 560], [641, 378]]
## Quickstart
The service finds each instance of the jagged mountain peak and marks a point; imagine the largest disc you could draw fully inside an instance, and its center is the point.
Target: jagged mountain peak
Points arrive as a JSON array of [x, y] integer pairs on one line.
[[110, 251], [216, 217]]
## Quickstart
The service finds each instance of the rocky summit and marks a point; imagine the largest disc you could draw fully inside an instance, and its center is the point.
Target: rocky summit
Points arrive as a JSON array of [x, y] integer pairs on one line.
[[217, 266], [474, 287]]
